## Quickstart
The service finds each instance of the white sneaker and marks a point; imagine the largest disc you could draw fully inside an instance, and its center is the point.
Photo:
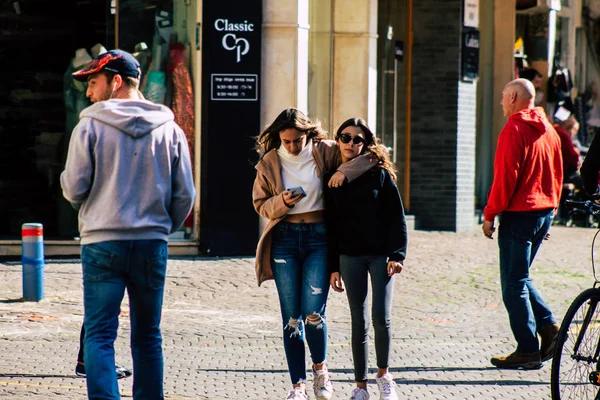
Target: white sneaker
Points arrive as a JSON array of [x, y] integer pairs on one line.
[[387, 387], [359, 394], [297, 394], [322, 384]]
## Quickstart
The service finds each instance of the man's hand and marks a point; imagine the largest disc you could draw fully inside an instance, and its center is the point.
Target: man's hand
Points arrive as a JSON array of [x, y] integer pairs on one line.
[[337, 179], [336, 282], [488, 229]]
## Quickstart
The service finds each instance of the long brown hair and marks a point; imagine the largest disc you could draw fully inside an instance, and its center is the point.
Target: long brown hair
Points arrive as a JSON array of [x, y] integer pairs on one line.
[[290, 118], [373, 146]]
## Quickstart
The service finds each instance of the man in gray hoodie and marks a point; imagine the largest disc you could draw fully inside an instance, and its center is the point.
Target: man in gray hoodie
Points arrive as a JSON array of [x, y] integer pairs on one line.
[[128, 172]]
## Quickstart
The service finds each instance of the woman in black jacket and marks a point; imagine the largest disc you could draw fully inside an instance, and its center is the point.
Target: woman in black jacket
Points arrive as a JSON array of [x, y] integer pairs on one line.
[[367, 231]]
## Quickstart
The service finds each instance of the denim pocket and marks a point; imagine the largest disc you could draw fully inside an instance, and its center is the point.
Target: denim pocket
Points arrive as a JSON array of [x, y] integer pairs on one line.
[[98, 263], [523, 225], [156, 271]]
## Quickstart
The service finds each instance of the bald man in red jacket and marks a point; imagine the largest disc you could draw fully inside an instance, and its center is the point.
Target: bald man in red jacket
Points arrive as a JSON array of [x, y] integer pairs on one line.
[[528, 176]]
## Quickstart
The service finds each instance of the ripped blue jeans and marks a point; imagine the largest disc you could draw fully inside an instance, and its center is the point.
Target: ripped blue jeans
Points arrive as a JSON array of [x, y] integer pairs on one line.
[[299, 263]]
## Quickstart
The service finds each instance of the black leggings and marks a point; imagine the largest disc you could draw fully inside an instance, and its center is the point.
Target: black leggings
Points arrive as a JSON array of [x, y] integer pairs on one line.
[[355, 273]]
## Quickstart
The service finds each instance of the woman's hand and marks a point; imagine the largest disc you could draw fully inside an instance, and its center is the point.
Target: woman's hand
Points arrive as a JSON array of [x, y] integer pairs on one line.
[[291, 200], [337, 179], [394, 267], [336, 282]]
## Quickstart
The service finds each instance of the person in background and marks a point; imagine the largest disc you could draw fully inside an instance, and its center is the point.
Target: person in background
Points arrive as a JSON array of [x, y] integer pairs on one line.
[[567, 130], [574, 129], [128, 173], [122, 372], [534, 76], [527, 185], [295, 153], [368, 237]]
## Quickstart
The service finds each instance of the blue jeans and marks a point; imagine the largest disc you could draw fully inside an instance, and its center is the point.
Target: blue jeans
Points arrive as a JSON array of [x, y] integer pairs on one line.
[[108, 269], [519, 238], [299, 263]]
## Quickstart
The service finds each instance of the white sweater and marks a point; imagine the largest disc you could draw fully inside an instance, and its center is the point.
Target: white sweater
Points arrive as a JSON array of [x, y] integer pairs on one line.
[[301, 170]]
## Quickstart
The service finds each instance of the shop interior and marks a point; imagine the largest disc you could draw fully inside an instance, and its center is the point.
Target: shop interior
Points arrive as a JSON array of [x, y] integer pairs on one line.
[[42, 43]]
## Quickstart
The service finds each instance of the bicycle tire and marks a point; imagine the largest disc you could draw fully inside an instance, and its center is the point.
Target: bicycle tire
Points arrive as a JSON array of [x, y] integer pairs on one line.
[[569, 378]]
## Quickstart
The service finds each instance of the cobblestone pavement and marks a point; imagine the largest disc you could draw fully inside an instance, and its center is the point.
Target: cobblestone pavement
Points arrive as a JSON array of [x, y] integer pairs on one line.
[[222, 334]]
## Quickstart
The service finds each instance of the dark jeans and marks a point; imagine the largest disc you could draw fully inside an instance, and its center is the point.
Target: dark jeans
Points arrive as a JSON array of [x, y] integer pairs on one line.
[[110, 268], [299, 263], [519, 238], [355, 273]]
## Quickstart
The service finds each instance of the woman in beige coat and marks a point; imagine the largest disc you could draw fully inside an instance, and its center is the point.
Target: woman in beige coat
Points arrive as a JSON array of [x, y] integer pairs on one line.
[[288, 191]]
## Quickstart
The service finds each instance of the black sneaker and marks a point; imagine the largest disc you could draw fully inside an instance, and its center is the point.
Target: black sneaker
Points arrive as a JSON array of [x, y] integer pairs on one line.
[[80, 369], [122, 372]]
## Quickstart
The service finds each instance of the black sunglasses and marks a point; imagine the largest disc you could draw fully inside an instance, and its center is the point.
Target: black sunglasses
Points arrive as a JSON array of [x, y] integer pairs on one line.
[[346, 138]]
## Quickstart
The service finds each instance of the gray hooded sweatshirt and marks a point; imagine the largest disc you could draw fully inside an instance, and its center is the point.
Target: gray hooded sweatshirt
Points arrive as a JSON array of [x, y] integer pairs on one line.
[[128, 171]]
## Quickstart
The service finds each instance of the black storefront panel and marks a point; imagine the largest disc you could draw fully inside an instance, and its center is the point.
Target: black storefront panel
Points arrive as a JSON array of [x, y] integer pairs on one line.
[[231, 66]]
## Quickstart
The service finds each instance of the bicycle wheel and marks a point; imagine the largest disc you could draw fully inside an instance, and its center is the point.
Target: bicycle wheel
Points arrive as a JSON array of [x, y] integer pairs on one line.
[[577, 350]]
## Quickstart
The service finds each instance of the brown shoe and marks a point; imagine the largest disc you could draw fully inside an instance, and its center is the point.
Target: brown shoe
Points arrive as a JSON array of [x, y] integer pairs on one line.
[[549, 337], [518, 361]]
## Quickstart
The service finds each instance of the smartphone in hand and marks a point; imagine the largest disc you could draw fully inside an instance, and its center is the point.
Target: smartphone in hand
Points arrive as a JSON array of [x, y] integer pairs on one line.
[[295, 191]]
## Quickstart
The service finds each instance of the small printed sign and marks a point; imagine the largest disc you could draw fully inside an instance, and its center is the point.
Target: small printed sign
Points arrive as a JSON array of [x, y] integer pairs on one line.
[[234, 87], [471, 17]]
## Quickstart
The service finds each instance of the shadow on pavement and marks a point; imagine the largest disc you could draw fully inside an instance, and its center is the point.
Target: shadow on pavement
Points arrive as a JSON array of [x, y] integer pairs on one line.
[[8, 301], [491, 382], [73, 376], [442, 369], [399, 381]]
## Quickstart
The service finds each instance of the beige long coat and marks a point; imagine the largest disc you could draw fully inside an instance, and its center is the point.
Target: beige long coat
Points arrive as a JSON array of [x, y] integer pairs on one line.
[[267, 193]]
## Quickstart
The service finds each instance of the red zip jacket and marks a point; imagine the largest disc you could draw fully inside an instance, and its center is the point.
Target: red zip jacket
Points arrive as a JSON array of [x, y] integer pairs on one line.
[[528, 169]]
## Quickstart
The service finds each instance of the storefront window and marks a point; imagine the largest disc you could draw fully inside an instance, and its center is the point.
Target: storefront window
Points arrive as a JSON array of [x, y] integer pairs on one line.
[[41, 40], [46, 43], [319, 62], [391, 78]]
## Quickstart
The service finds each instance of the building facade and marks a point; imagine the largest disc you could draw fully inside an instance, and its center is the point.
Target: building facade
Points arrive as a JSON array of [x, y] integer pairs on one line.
[[427, 75]]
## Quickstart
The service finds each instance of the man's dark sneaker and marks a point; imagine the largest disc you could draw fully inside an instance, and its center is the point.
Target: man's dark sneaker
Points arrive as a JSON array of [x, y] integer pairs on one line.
[[518, 361], [549, 337], [122, 372]]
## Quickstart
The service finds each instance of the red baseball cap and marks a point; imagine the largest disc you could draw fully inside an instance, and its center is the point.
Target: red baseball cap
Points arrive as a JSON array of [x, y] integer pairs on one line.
[[117, 61]]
